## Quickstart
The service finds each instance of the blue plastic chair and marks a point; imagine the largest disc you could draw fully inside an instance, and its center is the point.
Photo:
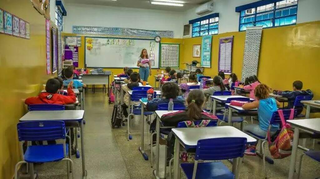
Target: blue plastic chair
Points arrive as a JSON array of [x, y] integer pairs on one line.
[[222, 93], [212, 123], [46, 107], [194, 87], [141, 88], [315, 155], [43, 131], [123, 76], [176, 106], [224, 117], [214, 149], [262, 140], [298, 105]]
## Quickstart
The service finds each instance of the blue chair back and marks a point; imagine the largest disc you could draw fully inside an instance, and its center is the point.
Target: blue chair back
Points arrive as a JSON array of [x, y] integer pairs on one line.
[[220, 148], [208, 77], [46, 107], [212, 123], [141, 88], [222, 93], [176, 106], [297, 101], [275, 119], [138, 94], [41, 130], [123, 76], [194, 87]]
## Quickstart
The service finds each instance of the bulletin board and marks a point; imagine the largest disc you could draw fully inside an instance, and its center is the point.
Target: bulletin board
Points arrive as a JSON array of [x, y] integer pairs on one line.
[[225, 55], [206, 51], [170, 55]]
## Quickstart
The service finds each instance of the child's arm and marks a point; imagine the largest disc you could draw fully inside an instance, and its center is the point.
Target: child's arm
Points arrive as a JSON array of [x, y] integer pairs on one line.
[[71, 98], [278, 104], [288, 94], [247, 87], [252, 105], [153, 104]]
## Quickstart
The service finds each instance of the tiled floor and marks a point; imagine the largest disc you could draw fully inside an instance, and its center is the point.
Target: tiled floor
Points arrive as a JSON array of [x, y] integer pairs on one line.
[[110, 156]]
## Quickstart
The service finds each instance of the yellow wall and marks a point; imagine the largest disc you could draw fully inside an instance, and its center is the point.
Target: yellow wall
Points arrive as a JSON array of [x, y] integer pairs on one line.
[[22, 70]]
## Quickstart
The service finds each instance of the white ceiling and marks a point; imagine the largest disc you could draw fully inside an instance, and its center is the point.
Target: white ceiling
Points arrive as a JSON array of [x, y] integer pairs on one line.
[[142, 4]]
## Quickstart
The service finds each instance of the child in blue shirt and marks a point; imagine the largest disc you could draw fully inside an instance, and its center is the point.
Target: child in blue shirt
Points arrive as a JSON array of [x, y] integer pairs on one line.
[[266, 107], [68, 74]]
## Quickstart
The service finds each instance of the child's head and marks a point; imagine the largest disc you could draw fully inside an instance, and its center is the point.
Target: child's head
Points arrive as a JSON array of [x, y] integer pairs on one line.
[[217, 81], [246, 81], [170, 90], [52, 86], [168, 69], [221, 74], [261, 91], [60, 82], [297, 85], [198, 71], [179, 75], [252, 79], [134, 77], [173, 74], [233, 77], [125, 70], [68, 73], [129, 72], [195, 102], [192, 78]]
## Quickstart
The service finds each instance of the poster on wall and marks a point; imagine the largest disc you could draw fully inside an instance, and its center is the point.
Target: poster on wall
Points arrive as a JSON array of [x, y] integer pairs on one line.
[[54, 51], [16, 26], [27, 30], [22, 28], [1, 22], [225, 54], [7, 23], [48, 37], [206, 51]]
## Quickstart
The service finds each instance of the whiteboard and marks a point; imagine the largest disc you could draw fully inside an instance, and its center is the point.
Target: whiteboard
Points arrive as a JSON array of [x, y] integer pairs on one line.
[[118, 52], [170, 54]]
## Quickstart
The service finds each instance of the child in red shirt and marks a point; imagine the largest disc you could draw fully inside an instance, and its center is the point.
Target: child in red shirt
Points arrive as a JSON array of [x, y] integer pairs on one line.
[[51, 96]]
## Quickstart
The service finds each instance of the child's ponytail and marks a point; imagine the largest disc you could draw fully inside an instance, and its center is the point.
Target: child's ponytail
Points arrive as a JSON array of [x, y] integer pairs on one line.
[[195, 101]]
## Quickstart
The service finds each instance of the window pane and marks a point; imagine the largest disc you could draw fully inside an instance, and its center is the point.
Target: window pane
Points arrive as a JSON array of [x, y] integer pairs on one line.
[[204, 27], [286, 12], [244, 26], [214, 26], [264, 8], [196, 24], [286, 3], [213, 31], [195, 29], [267, 23], [286, 21], [195, 34], [247, 19], [204, 22], [264, 16], [248, 12], [202, 33]]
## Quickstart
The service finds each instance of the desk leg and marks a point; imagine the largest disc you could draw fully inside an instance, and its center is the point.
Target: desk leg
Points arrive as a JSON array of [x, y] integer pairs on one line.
[[109, 86], [157, 145], [308, 112], [229, 116], [121, 95], [141, 148], [236, 166], [214, 106], [176, 162], [84, 171], [294, 153]]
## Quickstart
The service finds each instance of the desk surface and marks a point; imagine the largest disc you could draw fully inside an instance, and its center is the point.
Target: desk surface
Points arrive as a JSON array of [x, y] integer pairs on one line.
[[226, 97], [65, 115], [160, 113], [190, 136], [106, 73], [157, 92], [306, 124], [238, 108], [313, 103]]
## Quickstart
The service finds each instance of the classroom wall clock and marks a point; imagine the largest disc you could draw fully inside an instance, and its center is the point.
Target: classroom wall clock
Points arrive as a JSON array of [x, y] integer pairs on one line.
[[157, 39], [42, 6]]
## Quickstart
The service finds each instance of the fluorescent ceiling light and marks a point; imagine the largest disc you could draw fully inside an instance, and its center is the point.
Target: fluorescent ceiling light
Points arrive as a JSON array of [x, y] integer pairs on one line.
[[166, 4], [169, 1]]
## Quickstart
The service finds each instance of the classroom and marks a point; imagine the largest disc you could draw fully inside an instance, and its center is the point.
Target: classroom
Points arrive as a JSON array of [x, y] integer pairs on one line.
[[142, 89]]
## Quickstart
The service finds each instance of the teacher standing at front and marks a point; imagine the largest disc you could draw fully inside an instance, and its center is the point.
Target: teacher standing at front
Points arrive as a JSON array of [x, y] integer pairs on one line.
[[144, 65]]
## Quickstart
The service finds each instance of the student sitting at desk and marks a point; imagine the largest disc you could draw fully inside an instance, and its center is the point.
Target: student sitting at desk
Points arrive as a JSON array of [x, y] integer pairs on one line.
[[195, 102], [217, 86], [169, 91], [266, 107], [133, 82], [51, 96], [68, 73], [193, 79], [253, 83], [61, 91], [291, 95], [125, 70], [199, 74]]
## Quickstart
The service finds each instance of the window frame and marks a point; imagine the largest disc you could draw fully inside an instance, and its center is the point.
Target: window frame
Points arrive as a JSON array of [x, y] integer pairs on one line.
[[209, 22], [255, 6]]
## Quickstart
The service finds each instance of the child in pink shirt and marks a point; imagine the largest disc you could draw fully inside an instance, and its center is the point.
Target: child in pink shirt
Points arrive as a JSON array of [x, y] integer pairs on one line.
[[253, 83]]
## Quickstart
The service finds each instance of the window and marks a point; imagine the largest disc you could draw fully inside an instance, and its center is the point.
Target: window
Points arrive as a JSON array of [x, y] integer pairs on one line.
[[59, 18], [266, 14], [208, 25]]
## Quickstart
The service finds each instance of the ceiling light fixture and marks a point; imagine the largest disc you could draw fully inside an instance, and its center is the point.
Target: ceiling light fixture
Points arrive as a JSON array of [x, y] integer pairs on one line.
[[170, 1], [166, 4]]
